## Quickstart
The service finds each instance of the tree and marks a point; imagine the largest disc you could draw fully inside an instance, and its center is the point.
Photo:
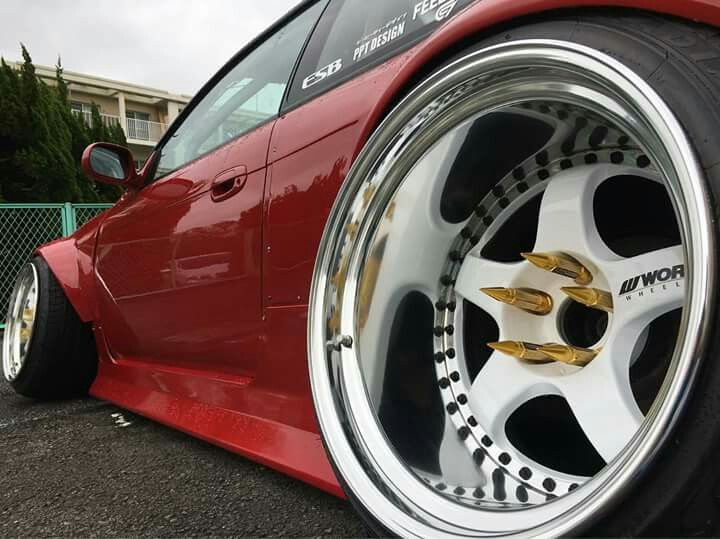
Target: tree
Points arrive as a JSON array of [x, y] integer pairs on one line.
[[42, 141], [83, 134], [13, 130]]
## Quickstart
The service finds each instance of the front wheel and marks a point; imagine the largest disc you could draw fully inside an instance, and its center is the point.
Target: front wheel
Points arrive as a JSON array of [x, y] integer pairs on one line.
[[516, 289], [47, 351]]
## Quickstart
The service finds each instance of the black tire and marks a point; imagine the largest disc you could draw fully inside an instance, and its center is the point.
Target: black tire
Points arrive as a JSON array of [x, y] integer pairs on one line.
[[679, 494], [62, 360]]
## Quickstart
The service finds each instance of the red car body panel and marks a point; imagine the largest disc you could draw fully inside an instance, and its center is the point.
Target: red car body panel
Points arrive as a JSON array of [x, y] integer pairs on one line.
[[201, 318], [72, 262]]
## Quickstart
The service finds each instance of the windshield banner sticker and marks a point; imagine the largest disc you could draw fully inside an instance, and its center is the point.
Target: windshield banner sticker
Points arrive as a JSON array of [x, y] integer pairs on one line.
[[385, 35], [415, 18], [324, 73], [443, 8]]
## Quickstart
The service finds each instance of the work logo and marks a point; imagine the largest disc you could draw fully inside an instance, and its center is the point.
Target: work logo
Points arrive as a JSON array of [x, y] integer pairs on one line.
[[653, 278]]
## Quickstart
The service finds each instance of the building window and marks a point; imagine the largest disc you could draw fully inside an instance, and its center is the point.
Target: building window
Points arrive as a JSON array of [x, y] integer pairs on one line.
[[83, 110], [138, 125], [77, 106]]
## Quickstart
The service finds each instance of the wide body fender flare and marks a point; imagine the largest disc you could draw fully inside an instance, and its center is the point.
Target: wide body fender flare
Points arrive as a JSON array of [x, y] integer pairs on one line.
[[71, 260]]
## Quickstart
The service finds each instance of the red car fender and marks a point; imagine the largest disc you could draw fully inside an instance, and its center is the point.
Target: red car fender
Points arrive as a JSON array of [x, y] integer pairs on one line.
[[71, 262], [483, 15]]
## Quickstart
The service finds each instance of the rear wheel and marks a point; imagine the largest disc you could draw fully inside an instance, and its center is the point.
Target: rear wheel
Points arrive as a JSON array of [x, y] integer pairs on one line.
[[47, 351], [516, 287]]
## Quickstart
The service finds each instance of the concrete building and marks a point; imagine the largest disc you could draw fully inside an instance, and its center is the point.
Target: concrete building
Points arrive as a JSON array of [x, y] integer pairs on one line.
[[144, 113]]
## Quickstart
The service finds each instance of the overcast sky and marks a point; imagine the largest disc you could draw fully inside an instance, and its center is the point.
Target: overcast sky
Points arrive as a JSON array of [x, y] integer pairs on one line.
[[174, 45]]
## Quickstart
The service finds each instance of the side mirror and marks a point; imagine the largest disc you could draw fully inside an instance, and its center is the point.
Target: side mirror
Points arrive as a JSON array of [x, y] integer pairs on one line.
[[110, 163]]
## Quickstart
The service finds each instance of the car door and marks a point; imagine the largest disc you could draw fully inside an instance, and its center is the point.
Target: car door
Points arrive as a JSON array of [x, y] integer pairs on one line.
[[179, 263]]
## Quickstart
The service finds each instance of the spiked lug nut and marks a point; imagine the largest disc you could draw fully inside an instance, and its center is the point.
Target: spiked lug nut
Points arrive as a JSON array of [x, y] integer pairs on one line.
[[590, 297], [525, 351], [571, 355], [560, 264], [527, 299]]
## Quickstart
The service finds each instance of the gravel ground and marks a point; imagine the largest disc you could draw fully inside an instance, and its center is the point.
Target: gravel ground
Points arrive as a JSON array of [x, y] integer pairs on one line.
[[86, 468]]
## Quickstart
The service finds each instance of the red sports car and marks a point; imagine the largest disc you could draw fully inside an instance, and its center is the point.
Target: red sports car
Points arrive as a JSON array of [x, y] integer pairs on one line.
[[453, 259]]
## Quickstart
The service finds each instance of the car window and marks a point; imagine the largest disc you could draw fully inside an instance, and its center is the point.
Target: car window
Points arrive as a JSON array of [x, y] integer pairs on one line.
[[356, 34], [248, 95]]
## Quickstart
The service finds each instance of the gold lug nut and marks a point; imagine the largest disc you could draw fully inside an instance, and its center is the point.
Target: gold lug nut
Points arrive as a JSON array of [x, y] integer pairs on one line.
[[590, 297], [524, 351], [527, 299], [560, 264], [570, 355], [25, 334]]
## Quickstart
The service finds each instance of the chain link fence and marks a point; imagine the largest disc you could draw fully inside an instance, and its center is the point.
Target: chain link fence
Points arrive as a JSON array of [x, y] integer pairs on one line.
[[24, 227]]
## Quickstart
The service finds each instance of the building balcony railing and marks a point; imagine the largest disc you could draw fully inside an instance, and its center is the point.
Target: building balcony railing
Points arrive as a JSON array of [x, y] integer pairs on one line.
[[142, 131], [106, 119]]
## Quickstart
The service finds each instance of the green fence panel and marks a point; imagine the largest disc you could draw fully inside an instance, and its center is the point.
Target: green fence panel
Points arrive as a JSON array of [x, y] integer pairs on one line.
[[24, 227], [82, 213]]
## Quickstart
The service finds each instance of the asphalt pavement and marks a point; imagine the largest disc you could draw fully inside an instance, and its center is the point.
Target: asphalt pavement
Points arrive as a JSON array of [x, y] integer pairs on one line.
[[86, 468]]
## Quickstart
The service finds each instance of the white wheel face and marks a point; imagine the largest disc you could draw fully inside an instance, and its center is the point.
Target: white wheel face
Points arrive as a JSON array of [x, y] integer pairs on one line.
[[539, 198], [20, 322]]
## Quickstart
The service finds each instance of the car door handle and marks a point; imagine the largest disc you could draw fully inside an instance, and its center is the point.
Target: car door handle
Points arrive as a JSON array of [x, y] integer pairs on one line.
[[228, 184]]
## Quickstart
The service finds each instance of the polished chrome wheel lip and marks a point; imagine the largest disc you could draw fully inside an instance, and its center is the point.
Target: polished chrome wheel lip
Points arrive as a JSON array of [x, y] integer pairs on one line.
[[350, 429], [24, 296]]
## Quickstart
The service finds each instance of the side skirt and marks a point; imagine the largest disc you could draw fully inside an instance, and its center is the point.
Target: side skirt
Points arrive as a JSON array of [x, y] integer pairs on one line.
[[289, 450]]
